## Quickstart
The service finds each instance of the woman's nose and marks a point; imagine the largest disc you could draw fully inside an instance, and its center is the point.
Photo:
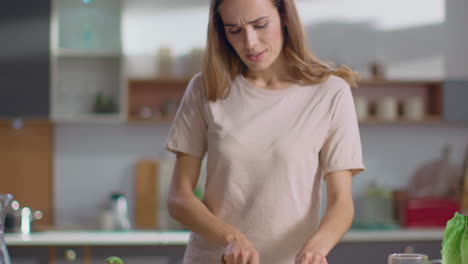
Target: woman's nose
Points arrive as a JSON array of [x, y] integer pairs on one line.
[[251, 38]]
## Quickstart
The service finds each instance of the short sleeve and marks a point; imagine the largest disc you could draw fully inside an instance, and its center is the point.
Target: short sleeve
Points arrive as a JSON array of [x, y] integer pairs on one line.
[[342, 147], [188, 130]]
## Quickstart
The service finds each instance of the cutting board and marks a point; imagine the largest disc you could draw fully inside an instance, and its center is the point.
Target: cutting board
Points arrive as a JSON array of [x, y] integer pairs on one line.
[[146, 193]]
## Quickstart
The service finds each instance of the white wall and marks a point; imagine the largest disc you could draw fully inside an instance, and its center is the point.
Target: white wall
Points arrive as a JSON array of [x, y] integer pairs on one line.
[[353, 32], [93, 160], [456, 39]]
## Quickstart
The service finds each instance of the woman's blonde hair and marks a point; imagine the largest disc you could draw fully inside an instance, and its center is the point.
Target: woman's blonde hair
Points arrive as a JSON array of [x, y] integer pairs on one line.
[[221, 62]]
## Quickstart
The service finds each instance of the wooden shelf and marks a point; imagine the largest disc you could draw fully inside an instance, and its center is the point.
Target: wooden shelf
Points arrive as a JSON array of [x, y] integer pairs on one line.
[[153, 92], [87, 53], [91, 118], [377, 82], [161, 82], [139, 120], [427, 120]]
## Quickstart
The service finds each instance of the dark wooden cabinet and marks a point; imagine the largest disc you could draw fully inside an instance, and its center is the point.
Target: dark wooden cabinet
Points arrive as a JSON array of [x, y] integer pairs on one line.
[[139, 254], [24, 58], [348, 252], [26, 164], [378, 252], [29, 255], [96, 254]]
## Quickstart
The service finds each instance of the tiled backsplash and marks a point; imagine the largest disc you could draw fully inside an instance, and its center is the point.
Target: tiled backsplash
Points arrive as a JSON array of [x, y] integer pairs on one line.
[[93, 160]]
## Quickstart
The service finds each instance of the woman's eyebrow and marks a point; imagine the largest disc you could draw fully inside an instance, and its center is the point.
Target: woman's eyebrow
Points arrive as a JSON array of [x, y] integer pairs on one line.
[[250, 22]]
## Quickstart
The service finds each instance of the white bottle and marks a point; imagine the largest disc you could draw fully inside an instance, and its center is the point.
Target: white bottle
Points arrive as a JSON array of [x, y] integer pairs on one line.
[[120, 212]]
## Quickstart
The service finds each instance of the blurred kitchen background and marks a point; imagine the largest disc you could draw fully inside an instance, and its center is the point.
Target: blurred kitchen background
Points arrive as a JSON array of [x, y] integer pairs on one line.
[[88, 89]]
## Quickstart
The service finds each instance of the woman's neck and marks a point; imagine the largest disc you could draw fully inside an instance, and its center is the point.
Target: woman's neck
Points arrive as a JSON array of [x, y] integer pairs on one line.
[[276, 77]]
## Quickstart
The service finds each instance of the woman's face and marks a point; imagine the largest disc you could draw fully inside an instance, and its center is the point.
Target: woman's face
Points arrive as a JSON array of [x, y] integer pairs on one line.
[[253, 28]]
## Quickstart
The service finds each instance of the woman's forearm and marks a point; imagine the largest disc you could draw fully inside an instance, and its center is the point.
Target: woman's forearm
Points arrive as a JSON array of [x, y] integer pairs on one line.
[[335, 223], [191, 212]]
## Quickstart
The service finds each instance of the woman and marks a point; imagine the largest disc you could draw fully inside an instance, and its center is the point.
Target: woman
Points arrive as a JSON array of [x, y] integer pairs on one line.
[[275, 122]]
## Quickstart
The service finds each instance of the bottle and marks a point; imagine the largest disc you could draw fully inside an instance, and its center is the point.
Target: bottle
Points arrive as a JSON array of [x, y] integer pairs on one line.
[[378, 207], [119, 207]]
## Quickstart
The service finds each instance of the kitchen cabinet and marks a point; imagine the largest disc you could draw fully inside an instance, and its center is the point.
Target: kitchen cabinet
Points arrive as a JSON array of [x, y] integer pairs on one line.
[[29, 255], [140, 254], [455, 98], [96, 254], [86, 61], [70, 255], [159, 247], [378, 252], [366, 252], [24, 58], [26, 164]]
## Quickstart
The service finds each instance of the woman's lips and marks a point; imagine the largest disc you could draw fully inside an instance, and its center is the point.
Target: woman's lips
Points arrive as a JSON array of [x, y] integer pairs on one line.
[[256, 56]]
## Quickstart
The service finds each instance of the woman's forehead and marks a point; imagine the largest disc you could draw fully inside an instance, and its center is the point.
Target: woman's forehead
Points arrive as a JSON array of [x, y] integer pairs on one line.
[[243, 11]]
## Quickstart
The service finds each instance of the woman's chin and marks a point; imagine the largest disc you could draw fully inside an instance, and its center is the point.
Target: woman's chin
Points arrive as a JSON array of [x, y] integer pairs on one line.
[[257, 67]]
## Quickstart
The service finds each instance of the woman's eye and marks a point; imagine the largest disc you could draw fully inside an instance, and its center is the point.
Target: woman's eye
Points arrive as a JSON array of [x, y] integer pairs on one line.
[[261, 26], [234, 31]]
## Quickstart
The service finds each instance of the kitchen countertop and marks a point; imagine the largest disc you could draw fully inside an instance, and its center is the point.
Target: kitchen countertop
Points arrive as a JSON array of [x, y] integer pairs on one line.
[[139, 238]]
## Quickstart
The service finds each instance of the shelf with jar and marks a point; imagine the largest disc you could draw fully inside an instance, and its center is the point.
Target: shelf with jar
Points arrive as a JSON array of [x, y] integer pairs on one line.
[[154, 101], [376, 101], [399, 102], [87, 83]]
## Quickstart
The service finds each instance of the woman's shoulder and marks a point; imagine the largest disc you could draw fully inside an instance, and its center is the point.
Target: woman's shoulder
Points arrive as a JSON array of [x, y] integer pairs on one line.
[[196, 82], [196, 85], [335, 83]]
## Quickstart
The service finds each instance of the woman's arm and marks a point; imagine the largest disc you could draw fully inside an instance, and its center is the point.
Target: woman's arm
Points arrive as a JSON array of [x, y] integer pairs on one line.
[[336, 221], [191, 212]]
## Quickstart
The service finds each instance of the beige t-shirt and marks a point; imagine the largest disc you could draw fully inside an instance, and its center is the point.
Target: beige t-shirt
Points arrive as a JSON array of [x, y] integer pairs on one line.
[[267, 153]]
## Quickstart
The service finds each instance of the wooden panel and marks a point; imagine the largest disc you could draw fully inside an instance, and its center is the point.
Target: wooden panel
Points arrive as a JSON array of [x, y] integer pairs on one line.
[[26, 153], [145, 194]]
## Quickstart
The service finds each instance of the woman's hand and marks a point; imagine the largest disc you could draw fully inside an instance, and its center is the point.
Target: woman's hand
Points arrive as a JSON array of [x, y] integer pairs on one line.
[[309, 257], [240, 251], [311, 254]]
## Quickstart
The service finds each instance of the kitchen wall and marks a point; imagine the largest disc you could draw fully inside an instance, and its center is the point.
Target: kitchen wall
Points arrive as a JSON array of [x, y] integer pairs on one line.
[[93, 160], [410, 43]]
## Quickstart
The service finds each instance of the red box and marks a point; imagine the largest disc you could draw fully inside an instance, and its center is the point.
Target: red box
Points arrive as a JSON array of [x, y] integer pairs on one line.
[[428, 212]]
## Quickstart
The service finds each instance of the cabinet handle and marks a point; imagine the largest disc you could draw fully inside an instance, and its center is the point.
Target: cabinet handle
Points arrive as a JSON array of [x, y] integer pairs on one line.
[[70, 255]]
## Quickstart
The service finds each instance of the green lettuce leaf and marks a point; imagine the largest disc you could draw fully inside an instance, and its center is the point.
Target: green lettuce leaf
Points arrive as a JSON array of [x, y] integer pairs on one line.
[[464, 243], [455, 241]]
